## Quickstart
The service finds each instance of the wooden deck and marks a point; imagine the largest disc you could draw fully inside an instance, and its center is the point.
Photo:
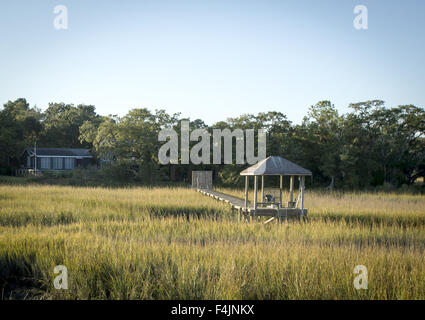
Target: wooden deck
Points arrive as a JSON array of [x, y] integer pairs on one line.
[[239, 205], [235, 202]]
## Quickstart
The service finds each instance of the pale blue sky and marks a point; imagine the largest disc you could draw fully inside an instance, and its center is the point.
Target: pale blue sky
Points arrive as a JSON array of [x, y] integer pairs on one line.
[[212, 59]]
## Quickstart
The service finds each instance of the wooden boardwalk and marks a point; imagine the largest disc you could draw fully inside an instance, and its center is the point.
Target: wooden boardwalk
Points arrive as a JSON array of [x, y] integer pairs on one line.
[[236, 203], [239, 205]]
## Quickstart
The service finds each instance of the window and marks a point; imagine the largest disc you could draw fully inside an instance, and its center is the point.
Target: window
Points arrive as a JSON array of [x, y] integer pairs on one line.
[[69, 163], [45, 163], [28, 162], [57, 163]]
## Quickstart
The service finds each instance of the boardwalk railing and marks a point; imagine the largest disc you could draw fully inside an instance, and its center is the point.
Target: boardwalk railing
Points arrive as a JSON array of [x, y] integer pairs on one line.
[[239, 205]]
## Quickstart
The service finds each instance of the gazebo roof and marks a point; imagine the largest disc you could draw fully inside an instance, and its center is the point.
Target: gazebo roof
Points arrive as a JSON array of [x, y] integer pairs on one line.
[[275, 166]]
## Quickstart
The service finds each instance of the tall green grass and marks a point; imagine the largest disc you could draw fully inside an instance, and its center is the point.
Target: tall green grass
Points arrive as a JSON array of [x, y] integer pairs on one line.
[[174, 243]]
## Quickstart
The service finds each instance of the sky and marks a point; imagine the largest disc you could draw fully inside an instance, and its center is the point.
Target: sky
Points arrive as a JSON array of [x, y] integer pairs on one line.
[[212, 59]]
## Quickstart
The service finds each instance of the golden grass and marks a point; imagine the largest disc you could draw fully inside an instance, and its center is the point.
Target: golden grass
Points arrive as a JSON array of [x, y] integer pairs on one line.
[[174, 243]]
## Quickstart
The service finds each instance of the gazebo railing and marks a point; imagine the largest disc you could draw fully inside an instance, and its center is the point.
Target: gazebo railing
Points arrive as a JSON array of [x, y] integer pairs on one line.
[[273, 194]]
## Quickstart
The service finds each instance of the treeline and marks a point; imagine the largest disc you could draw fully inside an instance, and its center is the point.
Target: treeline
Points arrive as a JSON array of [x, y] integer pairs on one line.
[[371, 145]]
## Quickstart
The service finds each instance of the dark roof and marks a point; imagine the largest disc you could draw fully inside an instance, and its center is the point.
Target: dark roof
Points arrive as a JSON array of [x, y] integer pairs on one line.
[[275, 165], [65, 152]]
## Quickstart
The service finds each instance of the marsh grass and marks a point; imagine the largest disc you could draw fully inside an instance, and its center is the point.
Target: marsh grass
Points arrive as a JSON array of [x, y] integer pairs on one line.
[[174, 243]]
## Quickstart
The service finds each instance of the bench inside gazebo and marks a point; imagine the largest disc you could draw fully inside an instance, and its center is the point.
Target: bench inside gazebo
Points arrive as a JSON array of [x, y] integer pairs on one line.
[[268, 206]]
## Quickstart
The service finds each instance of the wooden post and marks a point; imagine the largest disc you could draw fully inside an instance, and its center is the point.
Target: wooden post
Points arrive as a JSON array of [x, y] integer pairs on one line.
[[262, 189], [291, 189], [246, 193], [35, 158], [302, 180], [255, 191], [280, 191]]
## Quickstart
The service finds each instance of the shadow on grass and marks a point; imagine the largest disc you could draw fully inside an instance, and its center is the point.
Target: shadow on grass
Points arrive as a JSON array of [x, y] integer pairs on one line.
[[19, 278], [134, 213], [76, 182], [371, 220]]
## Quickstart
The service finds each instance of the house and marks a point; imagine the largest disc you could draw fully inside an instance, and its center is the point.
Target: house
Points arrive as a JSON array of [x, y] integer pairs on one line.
[[55, 158]]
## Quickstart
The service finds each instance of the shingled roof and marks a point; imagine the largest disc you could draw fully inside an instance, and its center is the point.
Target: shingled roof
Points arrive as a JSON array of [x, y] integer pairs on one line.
[[275, 165], [61, 152]]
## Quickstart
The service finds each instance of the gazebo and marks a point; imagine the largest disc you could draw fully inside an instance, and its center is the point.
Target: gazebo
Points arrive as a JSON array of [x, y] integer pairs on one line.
[[276, 166]]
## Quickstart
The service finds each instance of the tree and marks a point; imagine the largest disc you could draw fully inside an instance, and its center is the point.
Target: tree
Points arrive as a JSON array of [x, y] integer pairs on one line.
[[131, 140], [320, 139], [20, 128], [383, 145], [62, 122]]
